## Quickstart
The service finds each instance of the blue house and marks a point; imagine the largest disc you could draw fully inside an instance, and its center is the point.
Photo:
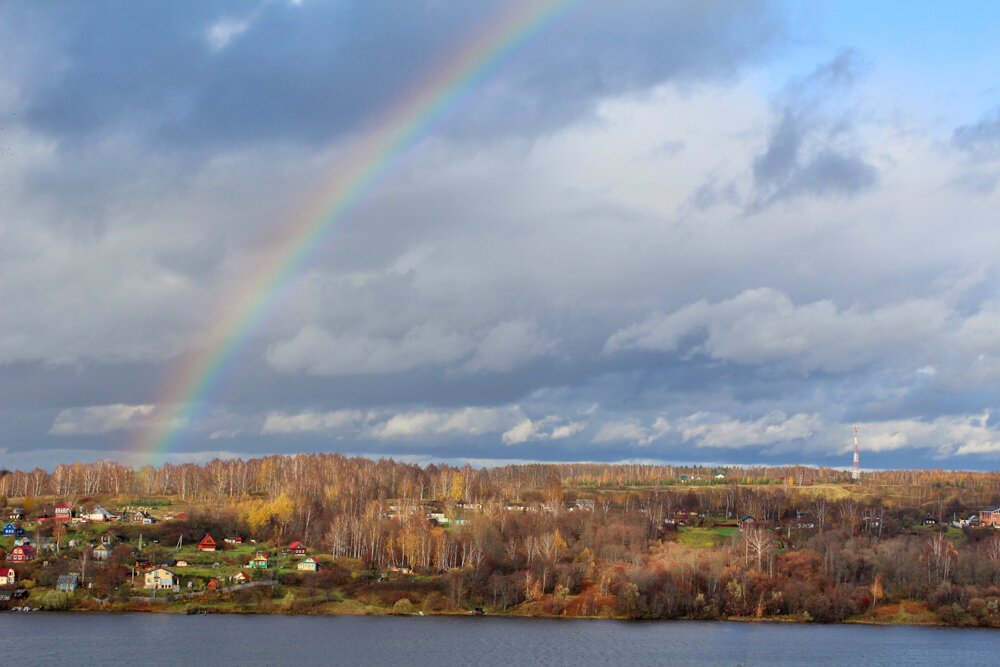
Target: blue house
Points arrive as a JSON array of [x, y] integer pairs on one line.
[[11, 529]]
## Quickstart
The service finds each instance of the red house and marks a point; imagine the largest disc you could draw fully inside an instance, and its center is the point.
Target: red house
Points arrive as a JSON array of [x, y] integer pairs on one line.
[[63, 512], [297, 548], [21, 553], [212, 585], [207, 544]]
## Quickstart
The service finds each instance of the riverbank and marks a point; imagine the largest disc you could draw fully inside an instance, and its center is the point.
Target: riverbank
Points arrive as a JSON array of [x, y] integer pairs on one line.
[[902, 613]]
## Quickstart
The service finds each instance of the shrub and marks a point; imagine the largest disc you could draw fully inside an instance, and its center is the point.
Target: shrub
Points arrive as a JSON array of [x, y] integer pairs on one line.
[[402, 606], [55, 601]]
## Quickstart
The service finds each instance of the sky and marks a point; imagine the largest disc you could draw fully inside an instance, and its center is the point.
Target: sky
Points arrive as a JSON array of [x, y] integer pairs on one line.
[[651, 231]]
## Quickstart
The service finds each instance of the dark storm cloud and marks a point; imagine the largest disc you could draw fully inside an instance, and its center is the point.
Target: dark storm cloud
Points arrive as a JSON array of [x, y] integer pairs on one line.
[[215, 71]]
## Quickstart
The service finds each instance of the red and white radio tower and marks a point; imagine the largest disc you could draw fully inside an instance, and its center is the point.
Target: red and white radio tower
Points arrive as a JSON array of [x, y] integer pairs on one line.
[[856, 470]]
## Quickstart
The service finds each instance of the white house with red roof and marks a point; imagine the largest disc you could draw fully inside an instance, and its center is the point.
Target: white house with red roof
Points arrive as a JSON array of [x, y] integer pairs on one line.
[[297, 548], [63, 512], [7, 576]]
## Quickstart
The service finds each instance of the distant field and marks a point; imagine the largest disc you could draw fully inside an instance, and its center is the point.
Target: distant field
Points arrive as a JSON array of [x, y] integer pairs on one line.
[[704, 537]]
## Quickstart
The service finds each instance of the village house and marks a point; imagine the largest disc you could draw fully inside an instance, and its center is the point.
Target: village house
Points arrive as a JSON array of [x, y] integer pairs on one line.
[[7, 576], [259, 561], [206, 544], [181, 563], [11, 529], [297, 548], [12, 514], [67, 582], [102, 552], [99, 515], [310, 564], [745, 522], [160, 578], [22, 553], [63, 512], [234, 540], [241, 577], [989, 517], [213, 585], [143, 517]]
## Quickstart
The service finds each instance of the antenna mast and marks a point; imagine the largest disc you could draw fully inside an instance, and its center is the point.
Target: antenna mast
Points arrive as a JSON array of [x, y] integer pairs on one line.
[[856, 470]]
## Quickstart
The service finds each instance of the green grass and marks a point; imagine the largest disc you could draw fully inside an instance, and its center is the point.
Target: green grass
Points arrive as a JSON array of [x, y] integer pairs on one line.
[[700, 538]]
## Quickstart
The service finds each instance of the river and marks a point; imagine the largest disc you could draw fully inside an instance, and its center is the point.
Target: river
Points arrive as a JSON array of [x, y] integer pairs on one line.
[[168, 639]]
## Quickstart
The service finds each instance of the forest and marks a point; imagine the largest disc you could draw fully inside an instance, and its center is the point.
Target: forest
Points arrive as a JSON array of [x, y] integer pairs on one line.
[[624, 541]]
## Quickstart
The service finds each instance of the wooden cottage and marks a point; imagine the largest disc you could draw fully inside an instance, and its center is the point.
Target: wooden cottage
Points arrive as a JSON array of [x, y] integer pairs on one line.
[[297, 549], [207, 544], [22, 553], [7, 576], [67, 582], [260, 561], [309, 565]]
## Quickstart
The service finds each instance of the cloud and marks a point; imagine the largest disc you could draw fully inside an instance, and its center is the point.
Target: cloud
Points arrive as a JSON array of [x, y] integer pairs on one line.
[[464, 422], [549, 428], [776, 427], [763, 325], [311, 422], [507, 345], [100, 419], [981, 138], [315, 72], [222, 32], [631, 430], [318, 352], [807, 152]]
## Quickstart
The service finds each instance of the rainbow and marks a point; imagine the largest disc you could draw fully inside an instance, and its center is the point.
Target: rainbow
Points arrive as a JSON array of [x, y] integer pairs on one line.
[[188, 390]]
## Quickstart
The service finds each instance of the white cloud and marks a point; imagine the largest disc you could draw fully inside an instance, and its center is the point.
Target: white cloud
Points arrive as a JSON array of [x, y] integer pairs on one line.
[[467, 421], [631, 430], [100, 419], [567, 430], [318, 352], [509, 344], [311, 422], [763, 326], [776, 427], [224, 31]]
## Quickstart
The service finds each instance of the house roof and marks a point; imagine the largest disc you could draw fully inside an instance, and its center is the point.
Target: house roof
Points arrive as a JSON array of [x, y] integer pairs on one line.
[[66, 579], [158, 569], [7, 572], [260, 557], [295, 544]]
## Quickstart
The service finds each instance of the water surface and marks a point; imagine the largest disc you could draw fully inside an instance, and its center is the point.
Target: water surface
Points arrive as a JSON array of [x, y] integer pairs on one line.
[[170, 639]]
